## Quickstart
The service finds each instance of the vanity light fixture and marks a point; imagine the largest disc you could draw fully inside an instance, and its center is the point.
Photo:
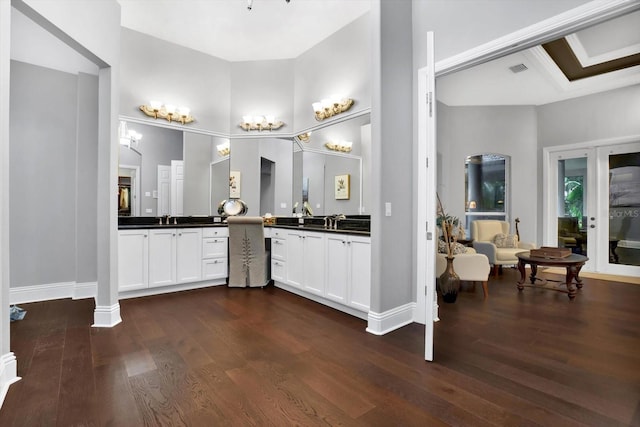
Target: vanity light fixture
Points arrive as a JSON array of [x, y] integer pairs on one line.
[[260, 123], [224, 149], [168, 112], [342, 146], [331, 106], [128, 137], [305, 137]]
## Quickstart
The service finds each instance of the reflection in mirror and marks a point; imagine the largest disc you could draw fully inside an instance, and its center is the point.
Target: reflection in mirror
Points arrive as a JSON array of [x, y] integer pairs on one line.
[[219, 183], [264, 167], [172, 171], [486, 195], [316, 168]]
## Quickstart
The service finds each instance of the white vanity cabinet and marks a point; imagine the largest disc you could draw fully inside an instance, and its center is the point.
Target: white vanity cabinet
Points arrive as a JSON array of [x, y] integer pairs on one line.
[[171, 258], [278, 255], [348, 270], [188, 255], [162, 257], [133, 260], [305, 260], [215, 253]]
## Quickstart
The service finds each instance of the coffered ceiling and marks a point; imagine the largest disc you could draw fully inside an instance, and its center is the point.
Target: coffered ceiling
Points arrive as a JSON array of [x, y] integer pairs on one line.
[[596, 59]]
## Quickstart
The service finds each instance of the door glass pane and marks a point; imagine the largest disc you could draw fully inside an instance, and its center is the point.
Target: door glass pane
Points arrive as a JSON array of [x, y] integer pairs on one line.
[[624, 209], [572, 214], [485, 187]]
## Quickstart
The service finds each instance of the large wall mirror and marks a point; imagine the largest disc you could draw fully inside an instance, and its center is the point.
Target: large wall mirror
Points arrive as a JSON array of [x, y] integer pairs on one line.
[[170, 172], [179, 173], [331, 169]]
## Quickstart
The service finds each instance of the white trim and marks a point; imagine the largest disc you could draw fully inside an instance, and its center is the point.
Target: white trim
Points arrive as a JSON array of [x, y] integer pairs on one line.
[[557, 26], [585, 60], [85, 290], [106, 316], [8, 374], [51, 291], [170, 289], [390, 320], [324, 301]]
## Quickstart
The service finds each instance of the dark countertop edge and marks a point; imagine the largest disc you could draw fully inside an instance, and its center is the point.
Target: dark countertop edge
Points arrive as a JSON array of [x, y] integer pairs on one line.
[[288, 227]]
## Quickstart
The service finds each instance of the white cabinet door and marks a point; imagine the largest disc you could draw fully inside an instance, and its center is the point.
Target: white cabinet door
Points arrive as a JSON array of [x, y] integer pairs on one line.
[[314, 264], [360, 272], [279, 270], [295, 258], [337, 267], [133, 260], [214, 268], [214, 247], [278, 249], [162, 257], [188, 255]]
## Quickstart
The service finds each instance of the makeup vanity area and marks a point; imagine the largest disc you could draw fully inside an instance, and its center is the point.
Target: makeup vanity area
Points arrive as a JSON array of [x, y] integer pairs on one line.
[[177, 245]]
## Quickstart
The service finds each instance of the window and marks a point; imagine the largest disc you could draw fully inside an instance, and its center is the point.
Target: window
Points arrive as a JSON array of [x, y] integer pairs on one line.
[[486, 195]]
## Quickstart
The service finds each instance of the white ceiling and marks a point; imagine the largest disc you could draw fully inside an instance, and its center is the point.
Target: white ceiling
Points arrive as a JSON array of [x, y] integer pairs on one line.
[[272, 29], [493, 83]]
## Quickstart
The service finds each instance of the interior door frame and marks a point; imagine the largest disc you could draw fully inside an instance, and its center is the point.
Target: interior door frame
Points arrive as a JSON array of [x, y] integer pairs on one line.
[[135, 186]]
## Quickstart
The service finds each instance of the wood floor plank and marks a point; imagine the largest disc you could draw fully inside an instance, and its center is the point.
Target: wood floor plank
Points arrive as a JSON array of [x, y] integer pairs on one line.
[[265, 357]]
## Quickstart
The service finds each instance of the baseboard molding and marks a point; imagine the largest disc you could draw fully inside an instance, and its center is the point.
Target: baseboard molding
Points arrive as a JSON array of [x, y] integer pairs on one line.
[[592, 275], [8, 374], [170, 289], [390, 320], [321, 300], [51, 291], [106, 316]]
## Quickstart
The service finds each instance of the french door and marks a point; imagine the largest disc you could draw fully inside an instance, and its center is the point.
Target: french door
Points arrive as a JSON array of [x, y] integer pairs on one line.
[[593, 205]]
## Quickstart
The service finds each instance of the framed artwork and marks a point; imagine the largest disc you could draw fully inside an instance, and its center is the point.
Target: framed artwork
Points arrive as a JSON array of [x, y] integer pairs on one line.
[[342, 187], [234, 184]]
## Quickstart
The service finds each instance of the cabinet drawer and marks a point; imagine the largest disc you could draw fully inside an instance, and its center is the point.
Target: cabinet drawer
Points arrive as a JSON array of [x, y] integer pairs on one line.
[[214, 268], [278, 248], [214, 247], [215, 232], [278, 270]]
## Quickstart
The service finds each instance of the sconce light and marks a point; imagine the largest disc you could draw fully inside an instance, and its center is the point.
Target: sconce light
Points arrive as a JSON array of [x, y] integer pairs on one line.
[[304, 137], [128, 137], [224, 149], [169, 112], [473, 204], [343, 146], [329, 107], [260, 123]]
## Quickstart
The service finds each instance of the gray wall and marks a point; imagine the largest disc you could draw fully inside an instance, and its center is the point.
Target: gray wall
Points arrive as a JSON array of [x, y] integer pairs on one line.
[[510, 131], [262, 88], [599, 116], [340, 64], [46, 184], [159, 70], [197, 158], [87, 179]]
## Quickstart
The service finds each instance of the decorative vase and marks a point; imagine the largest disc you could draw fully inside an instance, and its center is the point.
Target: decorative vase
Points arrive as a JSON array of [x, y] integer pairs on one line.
[[449, 283]]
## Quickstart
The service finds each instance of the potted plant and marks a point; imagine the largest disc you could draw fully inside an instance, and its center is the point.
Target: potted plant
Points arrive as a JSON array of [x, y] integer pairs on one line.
[[450, 226]]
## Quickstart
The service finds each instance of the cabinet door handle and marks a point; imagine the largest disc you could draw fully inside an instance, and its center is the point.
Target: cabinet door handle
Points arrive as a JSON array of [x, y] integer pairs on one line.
[[179, 234], [174, 234]]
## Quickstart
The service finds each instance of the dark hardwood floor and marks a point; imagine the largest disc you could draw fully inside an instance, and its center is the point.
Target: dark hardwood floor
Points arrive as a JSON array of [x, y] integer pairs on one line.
[[239, 357]]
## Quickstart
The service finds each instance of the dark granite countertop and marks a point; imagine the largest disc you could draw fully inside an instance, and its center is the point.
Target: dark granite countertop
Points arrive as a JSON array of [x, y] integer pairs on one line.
[[358, 226]]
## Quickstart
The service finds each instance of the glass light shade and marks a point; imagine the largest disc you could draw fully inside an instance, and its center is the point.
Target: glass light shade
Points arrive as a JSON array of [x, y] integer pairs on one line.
[[171, 109], [155, 105], [246, 119], [346, 144], [317, 107], [336, 99], [122, 129], [270, 119], [258, 120], [184, 111], [326, 103], [222, 146]]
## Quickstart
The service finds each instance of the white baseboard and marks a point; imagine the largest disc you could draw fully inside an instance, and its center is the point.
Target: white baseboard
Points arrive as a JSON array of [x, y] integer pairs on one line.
[[324, 301], [8, 374], [106, 316], [170, 289], [390, 320], [51, 291]]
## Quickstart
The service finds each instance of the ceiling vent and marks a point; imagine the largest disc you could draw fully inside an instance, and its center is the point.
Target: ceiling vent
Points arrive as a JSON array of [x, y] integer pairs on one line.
[[518, 68]]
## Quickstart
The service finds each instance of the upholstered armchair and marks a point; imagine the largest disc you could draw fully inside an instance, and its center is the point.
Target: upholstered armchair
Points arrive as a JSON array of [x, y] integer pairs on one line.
[[492, 238], [469, 266], [248, 259]]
